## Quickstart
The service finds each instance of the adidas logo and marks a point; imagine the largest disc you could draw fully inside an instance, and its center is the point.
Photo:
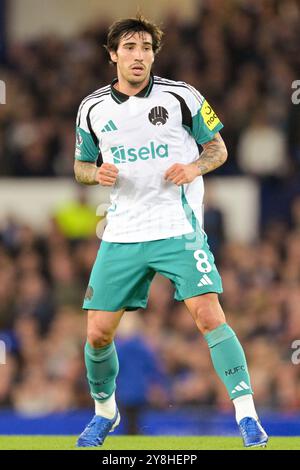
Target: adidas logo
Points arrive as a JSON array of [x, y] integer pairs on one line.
[[205, 281], [110, 126], [100, 395], [241, 386]]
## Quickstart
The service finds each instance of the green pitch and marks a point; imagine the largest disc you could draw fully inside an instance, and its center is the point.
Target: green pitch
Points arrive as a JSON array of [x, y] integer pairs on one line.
[[143, 443]]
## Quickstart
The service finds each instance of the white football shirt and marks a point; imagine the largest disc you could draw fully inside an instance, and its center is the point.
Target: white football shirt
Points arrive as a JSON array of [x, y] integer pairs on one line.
[[143, 135]]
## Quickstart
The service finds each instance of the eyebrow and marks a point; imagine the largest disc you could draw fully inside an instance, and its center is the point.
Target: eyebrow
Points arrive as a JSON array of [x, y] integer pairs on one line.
[[134, 43]]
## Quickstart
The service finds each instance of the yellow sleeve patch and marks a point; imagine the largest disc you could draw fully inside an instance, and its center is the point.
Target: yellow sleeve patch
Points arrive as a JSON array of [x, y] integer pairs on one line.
[[209, 116]]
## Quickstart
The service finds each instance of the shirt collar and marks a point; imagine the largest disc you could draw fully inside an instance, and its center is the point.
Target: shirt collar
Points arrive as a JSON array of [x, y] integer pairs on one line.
[[120, 97]]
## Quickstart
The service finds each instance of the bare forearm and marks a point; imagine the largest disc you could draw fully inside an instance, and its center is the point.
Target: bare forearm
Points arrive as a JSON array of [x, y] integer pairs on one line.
[[213, 155], [85, 172]]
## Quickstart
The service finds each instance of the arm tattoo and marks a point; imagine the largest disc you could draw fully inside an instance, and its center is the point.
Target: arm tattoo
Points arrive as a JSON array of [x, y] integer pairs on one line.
[[85, 172], [213, 155]]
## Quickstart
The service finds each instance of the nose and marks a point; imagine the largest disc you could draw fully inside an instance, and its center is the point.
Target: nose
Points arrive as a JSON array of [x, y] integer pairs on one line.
[[139, 54]]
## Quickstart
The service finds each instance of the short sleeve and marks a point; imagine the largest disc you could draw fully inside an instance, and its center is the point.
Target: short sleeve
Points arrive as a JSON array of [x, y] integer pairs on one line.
[[204, 123], [86, 149]]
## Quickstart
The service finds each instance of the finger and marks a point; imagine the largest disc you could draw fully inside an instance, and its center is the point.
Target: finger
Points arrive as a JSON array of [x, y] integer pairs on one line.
[[179, 180], [108, 172], [171, 170], [109, 167], [107, 184], [112, 167], [175, 175], [107, 179], [170, 174]]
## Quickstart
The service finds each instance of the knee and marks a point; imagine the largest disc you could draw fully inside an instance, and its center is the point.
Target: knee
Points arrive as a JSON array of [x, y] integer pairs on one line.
[[207, 321], [208, 315], [98, 337]]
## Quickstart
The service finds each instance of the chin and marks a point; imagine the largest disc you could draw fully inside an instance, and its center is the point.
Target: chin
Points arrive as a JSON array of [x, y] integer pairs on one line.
[[135, 80]]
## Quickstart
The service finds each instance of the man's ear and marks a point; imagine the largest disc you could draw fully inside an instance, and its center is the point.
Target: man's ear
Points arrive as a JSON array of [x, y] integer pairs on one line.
[[113, 56]]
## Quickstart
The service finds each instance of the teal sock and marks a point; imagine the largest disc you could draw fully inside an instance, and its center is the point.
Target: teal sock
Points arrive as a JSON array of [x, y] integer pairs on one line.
[[229, 360], [102, 369]]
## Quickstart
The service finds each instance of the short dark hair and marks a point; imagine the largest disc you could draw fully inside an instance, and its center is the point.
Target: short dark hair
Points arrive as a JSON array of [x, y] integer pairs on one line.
[[133, 25]]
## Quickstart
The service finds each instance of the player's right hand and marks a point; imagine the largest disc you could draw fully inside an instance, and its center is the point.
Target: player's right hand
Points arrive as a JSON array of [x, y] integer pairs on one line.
[[107, 174]]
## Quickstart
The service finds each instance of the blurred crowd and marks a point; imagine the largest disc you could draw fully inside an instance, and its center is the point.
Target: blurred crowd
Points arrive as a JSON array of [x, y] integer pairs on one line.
[[243, 56], [164, 361]]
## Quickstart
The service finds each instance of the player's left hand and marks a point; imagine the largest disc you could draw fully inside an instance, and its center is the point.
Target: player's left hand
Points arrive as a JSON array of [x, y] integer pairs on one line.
[[180, 173]]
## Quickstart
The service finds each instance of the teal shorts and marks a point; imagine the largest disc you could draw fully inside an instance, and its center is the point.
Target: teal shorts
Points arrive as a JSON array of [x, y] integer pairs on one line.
[[122, 272]]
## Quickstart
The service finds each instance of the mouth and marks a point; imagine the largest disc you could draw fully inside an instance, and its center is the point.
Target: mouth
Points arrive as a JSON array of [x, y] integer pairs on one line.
[[137, 69]]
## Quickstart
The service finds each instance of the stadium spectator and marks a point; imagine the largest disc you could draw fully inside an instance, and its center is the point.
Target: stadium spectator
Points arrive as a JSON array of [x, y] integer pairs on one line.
[[250, 49], [245, 56], [45, 329]]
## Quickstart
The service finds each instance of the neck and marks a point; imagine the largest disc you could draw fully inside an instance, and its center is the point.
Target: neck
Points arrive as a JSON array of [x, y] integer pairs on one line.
[[130, 89]]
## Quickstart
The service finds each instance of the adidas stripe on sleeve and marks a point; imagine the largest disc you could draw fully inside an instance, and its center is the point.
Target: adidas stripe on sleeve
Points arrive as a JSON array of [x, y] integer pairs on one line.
[[87, 145]]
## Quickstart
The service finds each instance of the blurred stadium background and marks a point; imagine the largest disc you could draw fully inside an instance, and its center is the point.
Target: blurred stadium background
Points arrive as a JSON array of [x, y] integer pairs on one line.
[[243, 55]]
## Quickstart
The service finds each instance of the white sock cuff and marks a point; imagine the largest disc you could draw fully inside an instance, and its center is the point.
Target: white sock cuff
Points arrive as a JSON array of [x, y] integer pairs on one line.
[[244, 407], [106, 408]]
